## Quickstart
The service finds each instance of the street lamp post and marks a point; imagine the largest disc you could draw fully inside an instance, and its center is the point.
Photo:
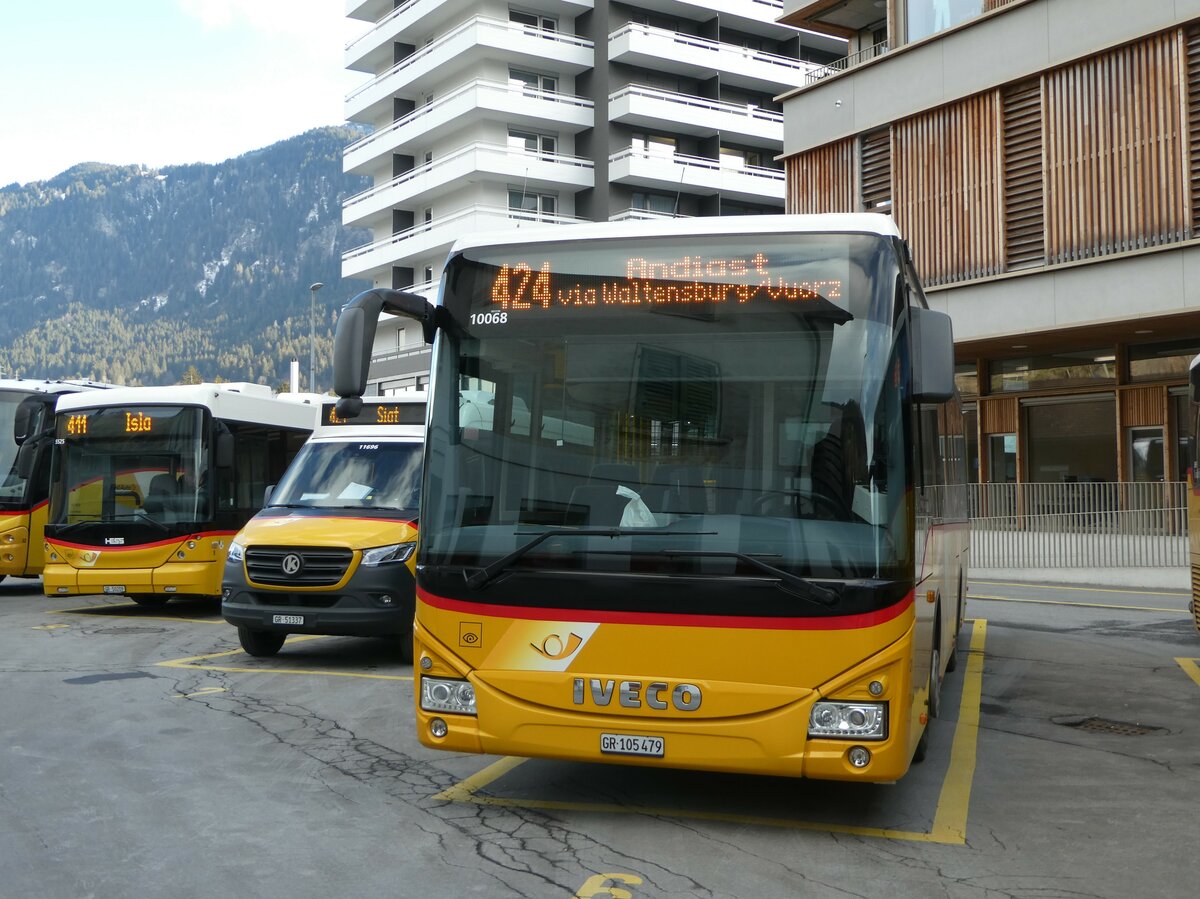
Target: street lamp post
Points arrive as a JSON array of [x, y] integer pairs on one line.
[[312, 336]]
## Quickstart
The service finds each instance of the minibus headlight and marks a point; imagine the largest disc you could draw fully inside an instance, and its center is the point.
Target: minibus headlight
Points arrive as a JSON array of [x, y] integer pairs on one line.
[[383, 555], [441, 694], [848, 720], [237, 552]]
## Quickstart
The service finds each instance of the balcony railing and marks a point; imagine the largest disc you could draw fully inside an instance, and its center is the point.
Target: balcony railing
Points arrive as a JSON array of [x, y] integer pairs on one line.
[[848, 62], [717, 55], [698, 163], [511, 89], [687, 102], [444, 164], [504, 31], [1079, 525], [495, 217], [642, 215]]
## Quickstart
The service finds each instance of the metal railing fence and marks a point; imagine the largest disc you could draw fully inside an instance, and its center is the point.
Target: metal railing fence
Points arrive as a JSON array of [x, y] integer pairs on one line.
[[1079, 525]]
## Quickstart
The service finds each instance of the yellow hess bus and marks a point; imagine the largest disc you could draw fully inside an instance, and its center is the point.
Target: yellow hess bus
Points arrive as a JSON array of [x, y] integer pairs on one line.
[[332, 550], [1193, 494], [716, 515], [26, 435], [148, 484]]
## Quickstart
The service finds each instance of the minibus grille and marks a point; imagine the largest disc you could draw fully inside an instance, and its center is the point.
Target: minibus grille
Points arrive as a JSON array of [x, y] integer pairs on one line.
[[277, 565]]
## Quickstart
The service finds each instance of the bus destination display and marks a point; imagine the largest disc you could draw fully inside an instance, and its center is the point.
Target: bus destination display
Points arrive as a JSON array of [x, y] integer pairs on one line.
[[692, 280], [377, 414], [138, 423]]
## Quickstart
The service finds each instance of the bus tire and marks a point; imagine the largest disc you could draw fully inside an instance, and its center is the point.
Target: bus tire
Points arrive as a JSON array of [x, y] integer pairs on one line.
[[261, 644], [150, 600], [933, 706]]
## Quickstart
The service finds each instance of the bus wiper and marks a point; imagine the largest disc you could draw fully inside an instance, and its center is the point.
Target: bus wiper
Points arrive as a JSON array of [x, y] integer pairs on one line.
[[489, 573], [789, 582]]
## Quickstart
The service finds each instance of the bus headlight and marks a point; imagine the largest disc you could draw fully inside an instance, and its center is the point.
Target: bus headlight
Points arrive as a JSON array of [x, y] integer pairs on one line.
[[848, 720], [237, 552], [440, 694], [382, 555]]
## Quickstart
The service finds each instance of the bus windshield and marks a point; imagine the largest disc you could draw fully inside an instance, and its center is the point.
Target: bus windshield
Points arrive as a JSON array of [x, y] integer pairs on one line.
[[13, 487], [131, 464], [720, 406], [358, 474]]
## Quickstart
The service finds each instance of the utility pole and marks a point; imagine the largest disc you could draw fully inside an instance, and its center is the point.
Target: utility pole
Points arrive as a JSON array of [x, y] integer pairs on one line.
[[312, 336]]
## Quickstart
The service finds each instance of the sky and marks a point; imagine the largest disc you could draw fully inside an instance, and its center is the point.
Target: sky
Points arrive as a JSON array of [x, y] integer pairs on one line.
[[165, 82]]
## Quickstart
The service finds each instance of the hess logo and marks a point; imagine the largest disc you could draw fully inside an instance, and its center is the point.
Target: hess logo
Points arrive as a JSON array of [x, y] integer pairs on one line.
[[557, 649]]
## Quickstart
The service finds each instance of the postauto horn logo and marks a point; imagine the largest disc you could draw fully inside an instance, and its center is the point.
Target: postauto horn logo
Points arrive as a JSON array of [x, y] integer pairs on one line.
[[556, 649]]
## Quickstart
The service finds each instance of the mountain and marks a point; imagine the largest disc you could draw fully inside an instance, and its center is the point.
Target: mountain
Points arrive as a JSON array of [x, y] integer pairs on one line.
[[144, 276]]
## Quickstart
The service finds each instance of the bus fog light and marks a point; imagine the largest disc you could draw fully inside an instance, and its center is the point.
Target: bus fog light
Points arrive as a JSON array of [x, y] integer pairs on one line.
[[426, 663], [438, 728], [848, 720], [439, 694], [859, 756], [875, 688]]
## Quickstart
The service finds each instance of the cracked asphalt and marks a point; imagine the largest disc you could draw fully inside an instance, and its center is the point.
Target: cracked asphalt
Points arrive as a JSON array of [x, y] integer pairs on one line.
[[216, 774]]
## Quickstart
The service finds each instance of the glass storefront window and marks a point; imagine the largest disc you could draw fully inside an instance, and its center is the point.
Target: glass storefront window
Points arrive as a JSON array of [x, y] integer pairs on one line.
[[1073, 441], [1179, 426], [926, 17], [1053, 370], [1161, 361]]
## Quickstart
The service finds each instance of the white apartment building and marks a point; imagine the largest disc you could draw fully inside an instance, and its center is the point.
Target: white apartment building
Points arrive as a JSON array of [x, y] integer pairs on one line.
[[487, 115]]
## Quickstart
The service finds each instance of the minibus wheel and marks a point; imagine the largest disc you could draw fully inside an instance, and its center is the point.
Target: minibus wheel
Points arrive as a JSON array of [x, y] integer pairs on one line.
[[260, 643]]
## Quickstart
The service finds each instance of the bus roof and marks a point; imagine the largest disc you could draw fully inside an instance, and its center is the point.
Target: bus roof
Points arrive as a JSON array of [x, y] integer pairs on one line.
[[40, 385], [848, 223], [229, 401]]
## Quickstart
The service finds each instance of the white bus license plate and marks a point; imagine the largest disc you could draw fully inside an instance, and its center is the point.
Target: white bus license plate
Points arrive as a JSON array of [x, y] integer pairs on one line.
[[287, 619], [632, 744], [114, 589]]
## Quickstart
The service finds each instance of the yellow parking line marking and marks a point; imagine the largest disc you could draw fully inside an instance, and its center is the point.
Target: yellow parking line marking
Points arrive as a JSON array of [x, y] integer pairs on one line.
[[1191, 667], [207, 691], [1086, 605], [949, 819], [191, 662], [47, 627], [1082, 589]]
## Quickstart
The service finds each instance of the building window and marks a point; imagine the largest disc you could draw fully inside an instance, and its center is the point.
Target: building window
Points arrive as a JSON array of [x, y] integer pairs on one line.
[[523, 204], [926, 17], [1072, 441], [654, 144], [735, 158], [533, 20], [1053, 371], [533, 81], [663, 204], [1162, 361], [966, 379], [531, 142]]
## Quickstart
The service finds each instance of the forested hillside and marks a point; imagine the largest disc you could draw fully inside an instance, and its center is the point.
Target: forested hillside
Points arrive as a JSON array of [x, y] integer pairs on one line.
[[137, 275]]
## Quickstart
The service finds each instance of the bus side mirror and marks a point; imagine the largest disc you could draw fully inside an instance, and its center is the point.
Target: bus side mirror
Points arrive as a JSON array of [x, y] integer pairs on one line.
[[27, 419], [932, 355], [224, 450], [267, 495], [355, 335]]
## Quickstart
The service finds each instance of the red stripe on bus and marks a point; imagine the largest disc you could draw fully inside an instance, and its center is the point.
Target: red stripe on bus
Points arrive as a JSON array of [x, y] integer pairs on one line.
[[54, 541], [672, 619]]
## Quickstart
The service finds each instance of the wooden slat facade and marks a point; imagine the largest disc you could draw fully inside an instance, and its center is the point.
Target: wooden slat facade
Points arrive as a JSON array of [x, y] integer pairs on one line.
[[998, 415], [1024, 197], [946, 169], [822, 180], [1143, 407], [1097, 157], [1115, 152], [875, 170]]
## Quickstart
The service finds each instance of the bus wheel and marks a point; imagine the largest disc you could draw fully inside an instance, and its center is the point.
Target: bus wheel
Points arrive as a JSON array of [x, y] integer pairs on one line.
[[952, 662], [150, 599], [934, 706], [260, 643]]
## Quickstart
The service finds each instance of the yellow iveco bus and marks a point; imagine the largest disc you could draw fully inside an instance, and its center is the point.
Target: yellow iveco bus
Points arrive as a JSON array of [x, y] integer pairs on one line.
[[27, 418], [715, 517], [332, 550], [148, 484]]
